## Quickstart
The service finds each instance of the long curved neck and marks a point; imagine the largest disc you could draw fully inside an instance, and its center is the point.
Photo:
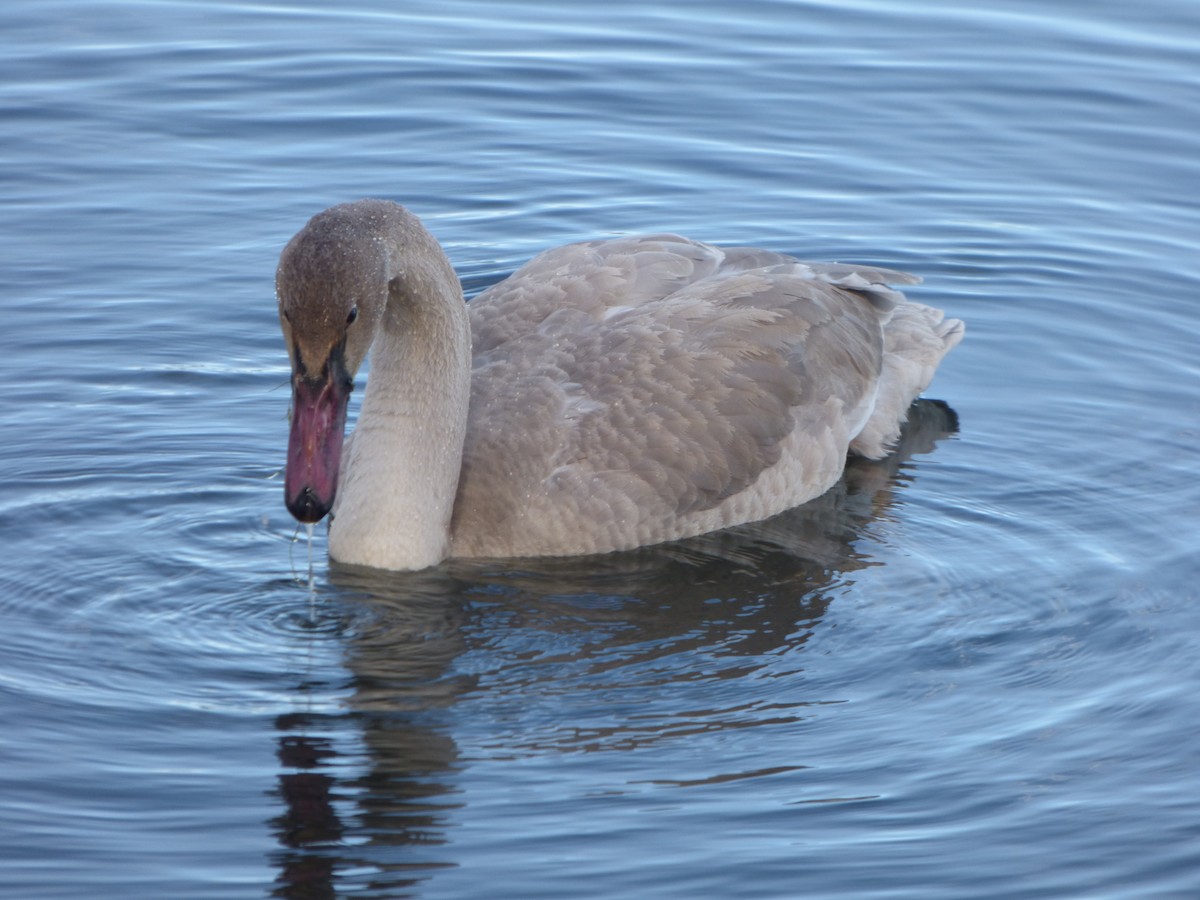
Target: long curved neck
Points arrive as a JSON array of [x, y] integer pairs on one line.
[[400, 472]]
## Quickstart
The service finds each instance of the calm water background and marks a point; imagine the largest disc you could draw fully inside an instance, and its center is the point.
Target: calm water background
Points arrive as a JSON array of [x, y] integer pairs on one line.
[[972, 674]]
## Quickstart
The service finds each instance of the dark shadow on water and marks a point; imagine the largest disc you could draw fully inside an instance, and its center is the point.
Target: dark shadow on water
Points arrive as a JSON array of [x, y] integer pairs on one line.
[[365, 815]]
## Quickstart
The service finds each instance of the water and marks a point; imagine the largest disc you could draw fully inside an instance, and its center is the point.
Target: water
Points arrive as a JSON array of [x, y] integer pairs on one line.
[[970, 673]]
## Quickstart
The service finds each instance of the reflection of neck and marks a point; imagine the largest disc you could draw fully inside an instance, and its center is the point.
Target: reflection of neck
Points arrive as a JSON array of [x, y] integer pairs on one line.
[[401, 472]]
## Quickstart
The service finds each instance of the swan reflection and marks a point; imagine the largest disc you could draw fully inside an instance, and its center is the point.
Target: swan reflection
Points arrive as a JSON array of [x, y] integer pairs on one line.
[[600, 654]]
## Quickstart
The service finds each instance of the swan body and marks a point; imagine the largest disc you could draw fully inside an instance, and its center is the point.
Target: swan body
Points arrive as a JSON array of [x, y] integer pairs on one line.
[[608, 395]]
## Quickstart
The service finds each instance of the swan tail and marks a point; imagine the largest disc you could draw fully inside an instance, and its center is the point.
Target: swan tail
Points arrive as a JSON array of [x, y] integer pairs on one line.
[[914, 342]]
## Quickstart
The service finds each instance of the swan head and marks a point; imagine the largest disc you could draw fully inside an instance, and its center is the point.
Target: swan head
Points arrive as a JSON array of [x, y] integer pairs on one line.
[[332, 288]]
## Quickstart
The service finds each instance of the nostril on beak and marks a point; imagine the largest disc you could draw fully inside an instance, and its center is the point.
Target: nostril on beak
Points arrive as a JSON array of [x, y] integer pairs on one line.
[[306, 506]]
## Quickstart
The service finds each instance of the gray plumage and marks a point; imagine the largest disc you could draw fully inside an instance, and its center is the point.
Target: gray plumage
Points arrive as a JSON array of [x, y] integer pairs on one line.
[[636, 390]]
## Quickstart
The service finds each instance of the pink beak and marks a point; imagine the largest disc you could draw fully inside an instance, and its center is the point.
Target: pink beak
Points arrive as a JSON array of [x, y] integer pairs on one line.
[[315, 442]]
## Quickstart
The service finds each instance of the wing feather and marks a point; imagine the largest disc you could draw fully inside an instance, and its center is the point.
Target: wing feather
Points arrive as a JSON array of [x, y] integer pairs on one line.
[[649, 379]]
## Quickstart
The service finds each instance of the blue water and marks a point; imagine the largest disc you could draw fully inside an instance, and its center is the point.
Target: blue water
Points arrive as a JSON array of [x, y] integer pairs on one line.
[[969, 673]]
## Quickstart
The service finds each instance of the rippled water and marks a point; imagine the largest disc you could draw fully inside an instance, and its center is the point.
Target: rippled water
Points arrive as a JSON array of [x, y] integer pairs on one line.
[[969, 672]]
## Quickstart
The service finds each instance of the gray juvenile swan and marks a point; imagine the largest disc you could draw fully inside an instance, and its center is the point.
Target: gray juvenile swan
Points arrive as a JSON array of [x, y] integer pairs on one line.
[[607, 395]]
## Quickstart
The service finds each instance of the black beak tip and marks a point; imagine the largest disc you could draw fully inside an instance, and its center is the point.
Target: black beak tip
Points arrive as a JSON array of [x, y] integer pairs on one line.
[[306, 508]]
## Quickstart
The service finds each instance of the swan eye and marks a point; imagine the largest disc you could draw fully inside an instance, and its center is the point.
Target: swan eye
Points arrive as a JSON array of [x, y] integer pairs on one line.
[[352, 316]]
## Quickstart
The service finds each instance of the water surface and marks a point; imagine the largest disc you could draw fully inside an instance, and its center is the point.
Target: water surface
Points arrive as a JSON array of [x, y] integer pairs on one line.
[[969, 672]]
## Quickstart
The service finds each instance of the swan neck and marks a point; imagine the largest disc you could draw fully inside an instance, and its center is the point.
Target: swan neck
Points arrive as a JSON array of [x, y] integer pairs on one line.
[[400, 475]]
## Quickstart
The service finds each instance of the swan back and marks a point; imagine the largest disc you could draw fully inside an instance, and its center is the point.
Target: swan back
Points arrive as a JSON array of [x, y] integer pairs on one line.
[[638, 390]]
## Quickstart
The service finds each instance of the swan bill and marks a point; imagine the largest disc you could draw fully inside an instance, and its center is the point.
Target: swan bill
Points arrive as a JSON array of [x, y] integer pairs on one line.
[[315, 446]]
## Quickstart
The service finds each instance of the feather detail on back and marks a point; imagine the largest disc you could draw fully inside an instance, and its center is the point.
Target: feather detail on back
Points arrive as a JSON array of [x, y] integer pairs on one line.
[[637, 390]]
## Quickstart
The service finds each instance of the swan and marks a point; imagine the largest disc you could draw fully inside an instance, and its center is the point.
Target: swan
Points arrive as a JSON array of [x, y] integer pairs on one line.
[[608, 395]]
